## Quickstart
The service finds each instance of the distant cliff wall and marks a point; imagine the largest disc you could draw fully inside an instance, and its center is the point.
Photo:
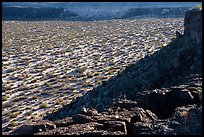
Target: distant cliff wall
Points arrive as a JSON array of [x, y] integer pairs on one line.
[[193, 25], [156, 12], [32, 13]]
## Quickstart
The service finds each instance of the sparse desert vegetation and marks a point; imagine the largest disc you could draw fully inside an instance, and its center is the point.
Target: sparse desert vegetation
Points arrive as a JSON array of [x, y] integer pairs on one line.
[[43, 105], [199, 7], [47, 61]]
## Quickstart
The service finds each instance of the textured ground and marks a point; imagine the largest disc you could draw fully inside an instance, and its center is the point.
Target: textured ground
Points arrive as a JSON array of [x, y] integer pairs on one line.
[[55, 62]]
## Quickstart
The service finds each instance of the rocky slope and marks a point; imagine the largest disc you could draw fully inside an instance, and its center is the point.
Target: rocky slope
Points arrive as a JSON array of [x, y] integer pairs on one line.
[[160, 94]]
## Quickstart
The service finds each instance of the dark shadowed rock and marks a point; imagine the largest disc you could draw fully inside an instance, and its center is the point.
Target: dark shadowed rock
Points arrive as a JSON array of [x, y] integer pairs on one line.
[[193, 25], [178, 98], [127, 104], [140, 128], [154, 101], [114, 126], [64, 122], [79, 118], [164, 103], [186, 120], [90, 112], [33, 127]]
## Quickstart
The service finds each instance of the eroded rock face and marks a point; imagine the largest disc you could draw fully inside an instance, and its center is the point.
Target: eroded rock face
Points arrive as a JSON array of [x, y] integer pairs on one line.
[[193, 25]]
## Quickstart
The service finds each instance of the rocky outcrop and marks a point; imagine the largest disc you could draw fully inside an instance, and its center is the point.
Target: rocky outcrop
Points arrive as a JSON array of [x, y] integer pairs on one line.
[[34, 127], [193, 25]]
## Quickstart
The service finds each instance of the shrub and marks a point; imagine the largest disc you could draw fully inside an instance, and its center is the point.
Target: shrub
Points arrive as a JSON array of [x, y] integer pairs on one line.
[[47, 84], [12, 124], [72, 88], [59, 101], [35, 97], [8, 87], [29, 112], [45, 93], [96, 74], [43, 105], [85, 83], [50, 74], [34, 80], [19, 98], [57, 80], [10, 70], [80, 70], [98, 82], [199, 90], [12, 115], [4, 98], [199, 7], [90, 75]]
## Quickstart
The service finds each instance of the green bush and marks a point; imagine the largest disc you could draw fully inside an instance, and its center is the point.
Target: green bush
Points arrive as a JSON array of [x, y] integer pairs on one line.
[[35, 97], [45, 93], [12, 124], [12, 115], [19, 98], [59, 101], [29, 112], [47, 84], [199, 7], [4, 98], [43, 105], [199, 90]]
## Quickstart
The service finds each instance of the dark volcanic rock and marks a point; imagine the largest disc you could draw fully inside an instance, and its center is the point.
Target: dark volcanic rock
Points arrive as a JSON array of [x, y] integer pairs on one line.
[[79, 118], [164, 103], [90, 112], [64, 122], [34, 127], [140, 128], [193, 25], [186, 120]]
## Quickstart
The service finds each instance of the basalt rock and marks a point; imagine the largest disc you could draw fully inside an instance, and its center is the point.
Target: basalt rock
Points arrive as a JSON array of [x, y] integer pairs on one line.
[[34, 127], [164, 102], [193, 25]]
